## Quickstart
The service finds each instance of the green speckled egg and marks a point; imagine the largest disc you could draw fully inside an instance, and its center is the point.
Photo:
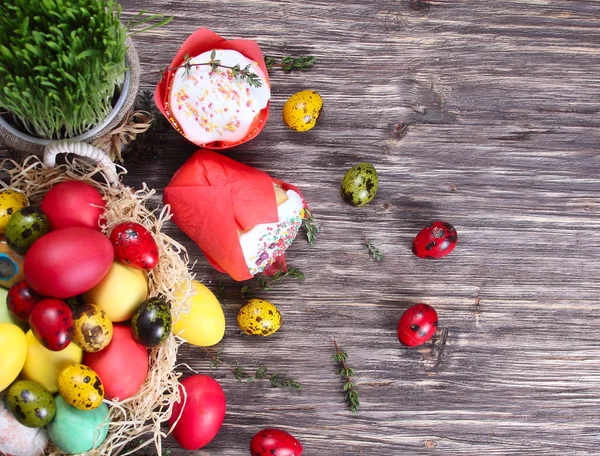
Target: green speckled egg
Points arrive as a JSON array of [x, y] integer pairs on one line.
[[30, 403], [151, 322], [360, 184], [26, 226], [81, 387], [259, 318]]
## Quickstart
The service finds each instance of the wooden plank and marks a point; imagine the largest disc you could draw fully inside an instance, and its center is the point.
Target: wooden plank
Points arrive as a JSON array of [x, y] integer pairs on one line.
[[484, 114]]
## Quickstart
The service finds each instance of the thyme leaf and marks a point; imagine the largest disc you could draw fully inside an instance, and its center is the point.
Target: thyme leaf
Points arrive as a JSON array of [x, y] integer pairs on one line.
[[346, 372]]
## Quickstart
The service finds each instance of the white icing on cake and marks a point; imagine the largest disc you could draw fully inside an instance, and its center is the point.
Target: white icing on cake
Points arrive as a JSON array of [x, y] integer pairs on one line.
[[213, 105], [264, 242]]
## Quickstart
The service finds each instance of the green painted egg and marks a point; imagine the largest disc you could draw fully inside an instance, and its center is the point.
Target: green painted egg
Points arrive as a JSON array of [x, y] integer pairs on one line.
[[151, 323], [76, 431], [25, 227], [30, 403], [360, 184]]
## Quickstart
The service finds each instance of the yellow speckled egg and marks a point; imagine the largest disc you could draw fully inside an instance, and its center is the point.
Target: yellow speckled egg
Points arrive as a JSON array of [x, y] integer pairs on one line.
[[204, 324], [13, 347], [81, 387], [259, 318], [92, 329], [120, 292], [44, 366], [10, 202], [302, 110]]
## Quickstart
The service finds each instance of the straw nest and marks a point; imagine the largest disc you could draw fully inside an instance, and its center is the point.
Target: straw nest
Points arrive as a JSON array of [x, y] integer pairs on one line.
[[134, 422]]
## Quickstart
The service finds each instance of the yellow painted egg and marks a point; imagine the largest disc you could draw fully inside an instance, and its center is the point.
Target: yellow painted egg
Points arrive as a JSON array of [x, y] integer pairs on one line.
[[44, 366], [120, 292], [92, 329], [259, 318], [13, 349], [81, 387], [204, 324], [301, 110], [10, 202]]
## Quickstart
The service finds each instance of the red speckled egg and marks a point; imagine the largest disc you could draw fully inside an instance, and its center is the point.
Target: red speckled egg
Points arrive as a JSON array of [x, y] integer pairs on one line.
[[20, 300], [134, 245], [417, 325], [122, 365], [275, 442], [435, 241], [68, 262], [73, 203], [203, 414], [51, 322]]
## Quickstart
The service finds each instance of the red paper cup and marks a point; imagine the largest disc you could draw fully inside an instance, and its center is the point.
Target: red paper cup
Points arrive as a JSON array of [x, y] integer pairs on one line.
[[204, 40]]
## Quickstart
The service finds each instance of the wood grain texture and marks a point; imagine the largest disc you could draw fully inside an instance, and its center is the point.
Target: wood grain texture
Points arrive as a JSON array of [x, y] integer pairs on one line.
[[483, 114]]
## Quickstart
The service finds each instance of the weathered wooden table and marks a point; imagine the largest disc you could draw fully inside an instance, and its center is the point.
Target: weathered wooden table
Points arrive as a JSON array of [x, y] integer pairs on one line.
[[483, 114]]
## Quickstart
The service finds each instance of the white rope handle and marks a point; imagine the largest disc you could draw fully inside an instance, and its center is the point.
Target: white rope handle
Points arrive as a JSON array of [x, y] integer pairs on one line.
[[84, 150]]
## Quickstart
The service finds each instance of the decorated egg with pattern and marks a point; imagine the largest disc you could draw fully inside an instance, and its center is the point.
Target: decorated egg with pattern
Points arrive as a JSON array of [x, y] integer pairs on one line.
[[435, 241], [134, 245], [151, 323], [275, 442], [51, 321], [10, 202], [301, 110], [25, 227], [81, 387], [30, 403], [20, 300], [417, 325], [259, 318], [360, 184]]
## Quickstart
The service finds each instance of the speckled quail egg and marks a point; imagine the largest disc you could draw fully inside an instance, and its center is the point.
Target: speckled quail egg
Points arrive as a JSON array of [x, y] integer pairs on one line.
[[81, 387], [25, 227], [10, 202], [259, 318], [30, 403], [92, 329], [302, 110], [360, 184]]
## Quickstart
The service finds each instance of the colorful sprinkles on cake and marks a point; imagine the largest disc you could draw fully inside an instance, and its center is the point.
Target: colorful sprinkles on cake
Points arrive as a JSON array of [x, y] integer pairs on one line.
[[212, 104]]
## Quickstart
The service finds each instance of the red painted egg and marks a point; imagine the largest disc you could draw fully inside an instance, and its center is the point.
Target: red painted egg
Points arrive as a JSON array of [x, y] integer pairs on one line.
[[73, 203], [134, 245], [68, 262], [203, 414], [435, 241], [51, 322], [275, 442], [20, 300], [417, 325], [122, 365]]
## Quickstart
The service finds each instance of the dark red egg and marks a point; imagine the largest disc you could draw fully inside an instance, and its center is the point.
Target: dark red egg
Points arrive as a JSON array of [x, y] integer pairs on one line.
[[51, 321], [435, 241], [134, 245], [417, 325], [275, 442], [20, 300]]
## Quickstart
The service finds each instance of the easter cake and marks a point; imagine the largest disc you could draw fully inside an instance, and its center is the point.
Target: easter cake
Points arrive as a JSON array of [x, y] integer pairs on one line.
[[216, 92], [241, 218]]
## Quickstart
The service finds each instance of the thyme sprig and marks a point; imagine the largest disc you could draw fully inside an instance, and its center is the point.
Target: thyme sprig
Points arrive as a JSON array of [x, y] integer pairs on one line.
[[289, 63], [243, 375], [265, 283], [243, 74], [346, 372], [375, 253], [310, 227]]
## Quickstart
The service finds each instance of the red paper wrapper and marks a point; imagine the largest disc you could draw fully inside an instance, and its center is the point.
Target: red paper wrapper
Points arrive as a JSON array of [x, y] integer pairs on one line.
[[212, 197], [204, 40]]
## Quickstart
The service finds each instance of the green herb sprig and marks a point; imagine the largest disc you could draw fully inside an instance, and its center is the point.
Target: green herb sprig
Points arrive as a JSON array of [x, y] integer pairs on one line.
[[375, 253], [243, 74], [289, 63], [346, 372], [265, 283], [310, 227], [241, 373]]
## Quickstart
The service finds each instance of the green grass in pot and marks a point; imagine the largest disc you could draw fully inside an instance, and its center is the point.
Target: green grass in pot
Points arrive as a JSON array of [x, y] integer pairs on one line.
[[61, 63]]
